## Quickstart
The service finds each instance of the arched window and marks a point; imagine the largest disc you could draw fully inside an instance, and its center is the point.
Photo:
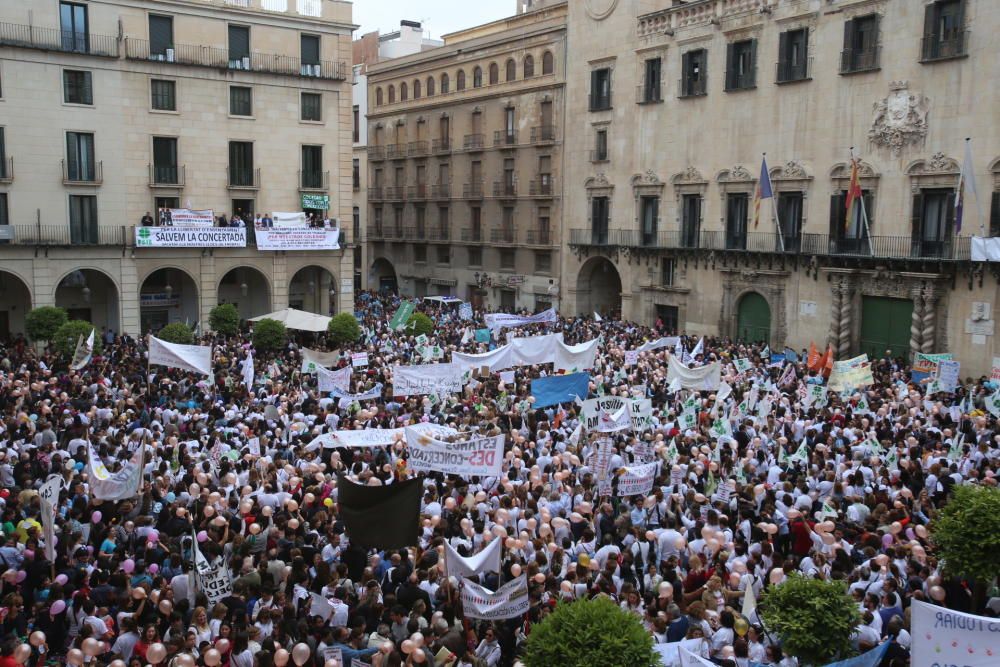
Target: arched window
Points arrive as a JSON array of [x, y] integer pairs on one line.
[[548, 63], [511, 70], [430, 86], [529, 66], [477, 77], [404, 93], [416, 89], [444, 83], [460, 80], [378, 96], [392, 93], [494, 74]]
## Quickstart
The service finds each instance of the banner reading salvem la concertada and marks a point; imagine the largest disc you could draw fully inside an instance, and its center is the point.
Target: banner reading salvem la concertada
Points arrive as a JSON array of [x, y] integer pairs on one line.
[[190, 237]]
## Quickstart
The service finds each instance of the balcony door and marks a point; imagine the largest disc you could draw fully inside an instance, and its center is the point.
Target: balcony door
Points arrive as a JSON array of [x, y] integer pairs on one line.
[[690, 221], [650, 214], [73, 24], [933, 222], [737, 207], [599, 220]]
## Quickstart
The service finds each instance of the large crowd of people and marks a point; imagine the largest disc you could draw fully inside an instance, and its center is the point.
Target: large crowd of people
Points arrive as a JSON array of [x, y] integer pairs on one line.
[[842, 488]]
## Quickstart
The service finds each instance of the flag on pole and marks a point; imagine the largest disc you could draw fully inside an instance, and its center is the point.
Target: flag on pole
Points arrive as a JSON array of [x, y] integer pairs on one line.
[[854, 197], [248, 371], [749, 601], [699, 348], [84, 351], [814, 361], [763, 191], [597, 317], [966, 179]]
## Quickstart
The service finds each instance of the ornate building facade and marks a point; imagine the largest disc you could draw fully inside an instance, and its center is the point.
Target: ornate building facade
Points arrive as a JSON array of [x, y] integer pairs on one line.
[[670, 113]]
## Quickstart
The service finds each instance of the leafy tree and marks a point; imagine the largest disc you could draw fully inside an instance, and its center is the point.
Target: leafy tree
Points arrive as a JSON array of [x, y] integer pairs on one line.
[[269, 334], [813, 618], [343, 328], [67, 336], [966, 533], [419, 324], [42, 323], [590, 633], [176, 332], [224, 319]]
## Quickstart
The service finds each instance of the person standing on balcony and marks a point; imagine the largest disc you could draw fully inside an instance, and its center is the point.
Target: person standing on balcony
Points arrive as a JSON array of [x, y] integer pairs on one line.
[[147, 220]]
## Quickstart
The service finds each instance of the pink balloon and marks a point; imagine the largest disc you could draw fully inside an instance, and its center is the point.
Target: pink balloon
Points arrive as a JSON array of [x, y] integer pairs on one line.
[[61, 579], [202, 536], [21, 576], [128, 566], [153, 568], [96, 517], [153, 536], [58, 607]]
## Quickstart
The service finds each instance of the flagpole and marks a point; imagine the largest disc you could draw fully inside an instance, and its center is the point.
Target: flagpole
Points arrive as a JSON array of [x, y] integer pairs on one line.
[[864, 211], [774, 208]]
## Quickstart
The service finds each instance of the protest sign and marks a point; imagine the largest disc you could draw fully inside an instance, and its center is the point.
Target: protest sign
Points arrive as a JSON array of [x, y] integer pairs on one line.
[[557, 389], [487, 560], [631, 357], [313, 358], [297, 238], [359, 359], [507, 377], [215, 583], [944, 637], [375, 437], [641, 413], [185, 217], [194, 358], [508, 601], [705, 378], [334, 380], [637, 480], [499, 321], [465, 311], [195, 237], [925, 365], [948, 371], [594, 408], [403, 313], [851, 374], [473, 457], [426, 379]]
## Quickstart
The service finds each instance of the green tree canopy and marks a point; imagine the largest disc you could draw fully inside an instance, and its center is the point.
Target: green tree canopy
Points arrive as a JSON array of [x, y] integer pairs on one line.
[[343, 328], [590, 633], [43, 322], [419, 324], [176, 332], [813, 618], [68, 335], [966, 534], [224, 319], [269, 335]]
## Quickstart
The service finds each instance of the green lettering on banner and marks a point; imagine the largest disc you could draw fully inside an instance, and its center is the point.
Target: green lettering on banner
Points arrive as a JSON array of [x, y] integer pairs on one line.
[[319, 202]]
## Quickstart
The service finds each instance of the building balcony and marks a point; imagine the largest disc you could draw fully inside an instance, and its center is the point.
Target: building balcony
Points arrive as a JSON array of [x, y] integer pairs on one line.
[[376, 233], [543, 134], [504, 190], [877, 247], [7, 170], [243, 178], [68, 235], [952, 44], [376, 152], [166, 176], [395, 151], [689, 87], [472, 191], [83, 174], [503, 236], [441, 191], [54, 39], [853, 61], [648, 94], [540, 237], [787, 71], [314, 181], [473, 235], [439, 146], [544, 186], [417, 192], [376, 193], [473, 142], [505, 138], [439, 233], [395, 193], [223, 58], [417, 149]]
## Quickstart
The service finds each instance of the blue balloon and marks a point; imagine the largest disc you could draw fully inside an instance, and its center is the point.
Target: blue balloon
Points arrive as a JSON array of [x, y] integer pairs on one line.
[[171, 497], [79, 466]]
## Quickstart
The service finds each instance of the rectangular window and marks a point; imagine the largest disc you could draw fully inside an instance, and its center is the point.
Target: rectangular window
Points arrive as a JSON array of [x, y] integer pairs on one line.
[[650, 209], [690, 221], [666, 272], [77, 87], [312, 107], [850, 236], [737, 209], [240, 101], [790, 218], [420, 253], [995, 215], [475, 256], [309, 49], [944, 30], [509, 127], [161, 36], [934, 216], [507, 259], [239, 47], [861, 52], [421, 216], [669, 316], [312, 167], [600, 153], [544, 226], [356, 174], [73, 25], [444, 223], [356, 115], [694, 73], [241, 171], [600, 89], [80, 164], [741, 65], [163, 94], [476, 218], [793, 56], [3, 156], [651, 83], [4, 212], [543, 262], [83, 219], [444, 254], [165, 160], [599, 214]]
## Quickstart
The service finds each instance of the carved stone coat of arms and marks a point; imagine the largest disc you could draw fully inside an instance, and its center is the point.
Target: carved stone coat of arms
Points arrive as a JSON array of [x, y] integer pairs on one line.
[[900, 119]]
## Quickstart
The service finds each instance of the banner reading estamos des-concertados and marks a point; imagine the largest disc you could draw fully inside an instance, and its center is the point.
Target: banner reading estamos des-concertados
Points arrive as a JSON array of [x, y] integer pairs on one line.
[[190, 237]]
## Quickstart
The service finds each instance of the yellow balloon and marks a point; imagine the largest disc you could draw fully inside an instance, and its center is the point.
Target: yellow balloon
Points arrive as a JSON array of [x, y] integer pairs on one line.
[[328, 502], [741, 626]]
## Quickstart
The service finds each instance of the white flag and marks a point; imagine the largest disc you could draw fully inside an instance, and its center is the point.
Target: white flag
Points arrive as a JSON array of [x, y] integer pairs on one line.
[[749, 601], [48, 494], [699, 348], [84, 351], [120, 485], [248, 371], [597, 318], [194, 358], [487, 560]]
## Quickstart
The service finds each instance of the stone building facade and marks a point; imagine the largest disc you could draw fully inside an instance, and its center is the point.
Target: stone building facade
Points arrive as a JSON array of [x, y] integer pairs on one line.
[[464, 149], [670, 108], [109, 110]]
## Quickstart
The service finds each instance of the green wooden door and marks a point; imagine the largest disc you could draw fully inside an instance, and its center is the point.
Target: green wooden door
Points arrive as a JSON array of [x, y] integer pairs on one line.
[[753, 319], [885, 325]]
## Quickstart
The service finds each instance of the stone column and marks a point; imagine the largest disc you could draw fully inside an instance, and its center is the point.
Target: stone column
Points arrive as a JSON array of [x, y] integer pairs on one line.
[[916, 320], [844, 323], [927, 333]]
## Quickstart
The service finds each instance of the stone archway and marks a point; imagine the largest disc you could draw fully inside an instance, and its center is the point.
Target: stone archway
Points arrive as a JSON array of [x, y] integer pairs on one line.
[[15, 302], [765, 283], [248, 289], [383, 274], [753, 319], [314, 290], [92, 296], [168, 295], [599, 288]]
